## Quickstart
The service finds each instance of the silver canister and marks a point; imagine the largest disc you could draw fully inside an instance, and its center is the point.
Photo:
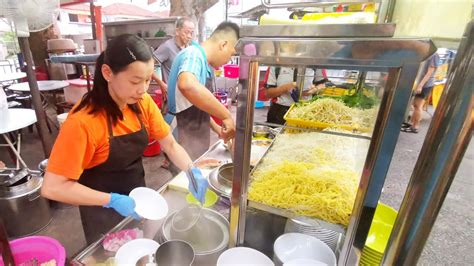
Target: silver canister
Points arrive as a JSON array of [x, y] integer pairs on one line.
[[23, 210], [174, 252]]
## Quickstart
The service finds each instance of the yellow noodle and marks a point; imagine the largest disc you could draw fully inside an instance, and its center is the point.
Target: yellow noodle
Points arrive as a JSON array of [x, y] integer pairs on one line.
[[312, 174], [326, 194]]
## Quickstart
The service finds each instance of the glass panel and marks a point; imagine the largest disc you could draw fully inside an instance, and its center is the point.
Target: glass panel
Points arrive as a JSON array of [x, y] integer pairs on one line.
[[312, 170]]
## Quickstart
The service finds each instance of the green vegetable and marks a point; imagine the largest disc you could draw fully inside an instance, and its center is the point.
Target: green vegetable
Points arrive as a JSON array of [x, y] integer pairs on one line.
[[160, 33]]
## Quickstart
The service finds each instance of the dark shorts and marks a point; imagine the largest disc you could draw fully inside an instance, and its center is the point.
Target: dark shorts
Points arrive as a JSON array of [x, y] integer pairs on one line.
[[425, 92], [194, 132]]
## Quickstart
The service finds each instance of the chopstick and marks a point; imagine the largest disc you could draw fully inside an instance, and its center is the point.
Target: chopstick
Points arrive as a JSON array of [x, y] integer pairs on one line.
[[5, 246]]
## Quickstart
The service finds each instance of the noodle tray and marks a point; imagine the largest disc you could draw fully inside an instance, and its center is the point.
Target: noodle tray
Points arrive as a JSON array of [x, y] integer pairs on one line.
[[295, 122]]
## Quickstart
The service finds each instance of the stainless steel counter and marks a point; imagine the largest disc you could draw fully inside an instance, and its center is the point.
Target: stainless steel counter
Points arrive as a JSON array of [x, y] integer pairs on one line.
[[95, 253]]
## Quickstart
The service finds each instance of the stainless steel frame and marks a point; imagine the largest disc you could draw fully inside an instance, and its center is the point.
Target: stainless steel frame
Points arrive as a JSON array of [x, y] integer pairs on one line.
[[311, 3], [445, 143], [400, 57], [320, 31]]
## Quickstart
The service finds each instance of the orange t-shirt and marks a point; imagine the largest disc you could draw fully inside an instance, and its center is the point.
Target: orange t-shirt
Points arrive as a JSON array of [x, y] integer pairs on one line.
[[83, 141]]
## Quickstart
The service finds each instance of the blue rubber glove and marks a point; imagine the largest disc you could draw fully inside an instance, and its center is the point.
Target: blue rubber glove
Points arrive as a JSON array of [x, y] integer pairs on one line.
[[123, 204], [202, 184]]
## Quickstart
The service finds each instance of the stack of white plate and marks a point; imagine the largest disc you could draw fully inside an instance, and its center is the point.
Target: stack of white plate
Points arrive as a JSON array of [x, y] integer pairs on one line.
[[328, 233]]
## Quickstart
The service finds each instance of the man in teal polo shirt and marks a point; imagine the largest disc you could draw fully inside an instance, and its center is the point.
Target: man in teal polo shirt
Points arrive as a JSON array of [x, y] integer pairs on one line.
[[190, 88]]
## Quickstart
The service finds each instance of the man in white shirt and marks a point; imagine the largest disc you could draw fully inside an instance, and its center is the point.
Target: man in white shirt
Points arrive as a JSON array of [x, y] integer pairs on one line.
[[281, 87]]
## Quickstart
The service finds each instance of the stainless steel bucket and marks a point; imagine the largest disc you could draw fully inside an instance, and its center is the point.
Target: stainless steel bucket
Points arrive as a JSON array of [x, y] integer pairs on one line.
[[220, 237], [174, 252], [22, 209]]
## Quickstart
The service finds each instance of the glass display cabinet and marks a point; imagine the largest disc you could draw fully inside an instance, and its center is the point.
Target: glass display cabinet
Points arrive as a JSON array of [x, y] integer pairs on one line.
[[328, 164]]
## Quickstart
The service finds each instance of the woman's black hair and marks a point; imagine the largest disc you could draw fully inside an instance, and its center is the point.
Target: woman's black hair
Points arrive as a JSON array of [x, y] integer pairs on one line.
[[120, 52]]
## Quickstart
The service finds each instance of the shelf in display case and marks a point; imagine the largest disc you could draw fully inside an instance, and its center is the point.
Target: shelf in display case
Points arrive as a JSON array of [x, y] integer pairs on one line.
[[313, 161], [291, 215]]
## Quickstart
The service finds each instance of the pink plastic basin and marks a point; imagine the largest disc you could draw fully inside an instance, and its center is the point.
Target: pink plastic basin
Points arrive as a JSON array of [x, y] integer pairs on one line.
[[41, 248]]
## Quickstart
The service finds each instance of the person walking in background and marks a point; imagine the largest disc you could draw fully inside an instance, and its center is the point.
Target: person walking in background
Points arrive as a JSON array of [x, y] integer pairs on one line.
[[167, 51], [281, 88], [97, 157], [190, 86], [421, 93], [165, 54]]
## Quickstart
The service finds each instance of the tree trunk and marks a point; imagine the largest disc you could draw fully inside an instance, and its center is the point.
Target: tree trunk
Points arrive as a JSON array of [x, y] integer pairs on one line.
[[38, 43], [193, 9]]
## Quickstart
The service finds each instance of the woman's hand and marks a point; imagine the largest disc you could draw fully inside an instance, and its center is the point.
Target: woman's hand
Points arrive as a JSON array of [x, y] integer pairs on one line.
[[122, 204], [200, 192]]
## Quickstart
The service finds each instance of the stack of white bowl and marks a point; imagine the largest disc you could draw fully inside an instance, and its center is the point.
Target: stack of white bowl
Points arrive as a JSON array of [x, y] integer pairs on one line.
[[330, 234], [300, 249]]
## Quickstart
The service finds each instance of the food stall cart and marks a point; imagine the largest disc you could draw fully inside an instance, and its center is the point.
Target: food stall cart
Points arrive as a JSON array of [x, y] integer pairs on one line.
[[294, 46], [256, 224], [361, 48]]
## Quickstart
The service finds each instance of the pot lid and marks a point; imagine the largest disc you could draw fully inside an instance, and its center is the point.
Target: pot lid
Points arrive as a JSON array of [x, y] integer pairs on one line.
[[13, 177], [26, 186]]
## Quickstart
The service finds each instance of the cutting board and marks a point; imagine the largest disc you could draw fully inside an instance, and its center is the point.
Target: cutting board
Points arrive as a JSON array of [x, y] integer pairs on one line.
[[181, 182]]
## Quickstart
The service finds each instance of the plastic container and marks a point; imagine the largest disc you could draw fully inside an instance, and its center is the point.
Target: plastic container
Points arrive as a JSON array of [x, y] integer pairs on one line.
[[41, 248], [222, 97], [157, 97], [231, 71], [153, 148], [61, 118], [209, 201], [76, 89]]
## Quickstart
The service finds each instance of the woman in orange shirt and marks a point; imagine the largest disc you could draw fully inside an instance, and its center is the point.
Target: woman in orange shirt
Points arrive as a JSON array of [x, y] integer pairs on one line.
[[96, 159]]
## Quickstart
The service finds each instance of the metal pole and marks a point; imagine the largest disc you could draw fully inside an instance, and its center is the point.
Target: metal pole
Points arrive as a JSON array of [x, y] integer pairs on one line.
[[91, 8], [226, 3], [45, 137], [244, 123], [445, 143]]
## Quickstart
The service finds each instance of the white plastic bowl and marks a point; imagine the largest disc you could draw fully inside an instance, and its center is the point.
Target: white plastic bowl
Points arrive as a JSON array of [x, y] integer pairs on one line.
[[243, 256], [62, 117], [149, 203], [293, 246], [304, 262], [132, 251]]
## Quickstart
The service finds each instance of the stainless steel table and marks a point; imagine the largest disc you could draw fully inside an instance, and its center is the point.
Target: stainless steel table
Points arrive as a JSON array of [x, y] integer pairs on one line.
[[14, 119], [43, 85], [95, 253], [6, 77]]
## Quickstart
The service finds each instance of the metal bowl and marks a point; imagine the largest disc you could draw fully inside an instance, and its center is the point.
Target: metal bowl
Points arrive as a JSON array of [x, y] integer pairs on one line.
[[220, 179], [225, 174], [261, 131]]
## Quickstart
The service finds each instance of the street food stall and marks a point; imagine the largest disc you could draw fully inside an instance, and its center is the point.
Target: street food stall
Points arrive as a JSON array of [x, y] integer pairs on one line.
[[325, 170], [256, 222], [342, 149]]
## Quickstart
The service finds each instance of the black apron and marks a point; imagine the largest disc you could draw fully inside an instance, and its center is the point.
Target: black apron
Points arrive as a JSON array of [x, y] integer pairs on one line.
[[120, 173], [194, 131], [276, 113]]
